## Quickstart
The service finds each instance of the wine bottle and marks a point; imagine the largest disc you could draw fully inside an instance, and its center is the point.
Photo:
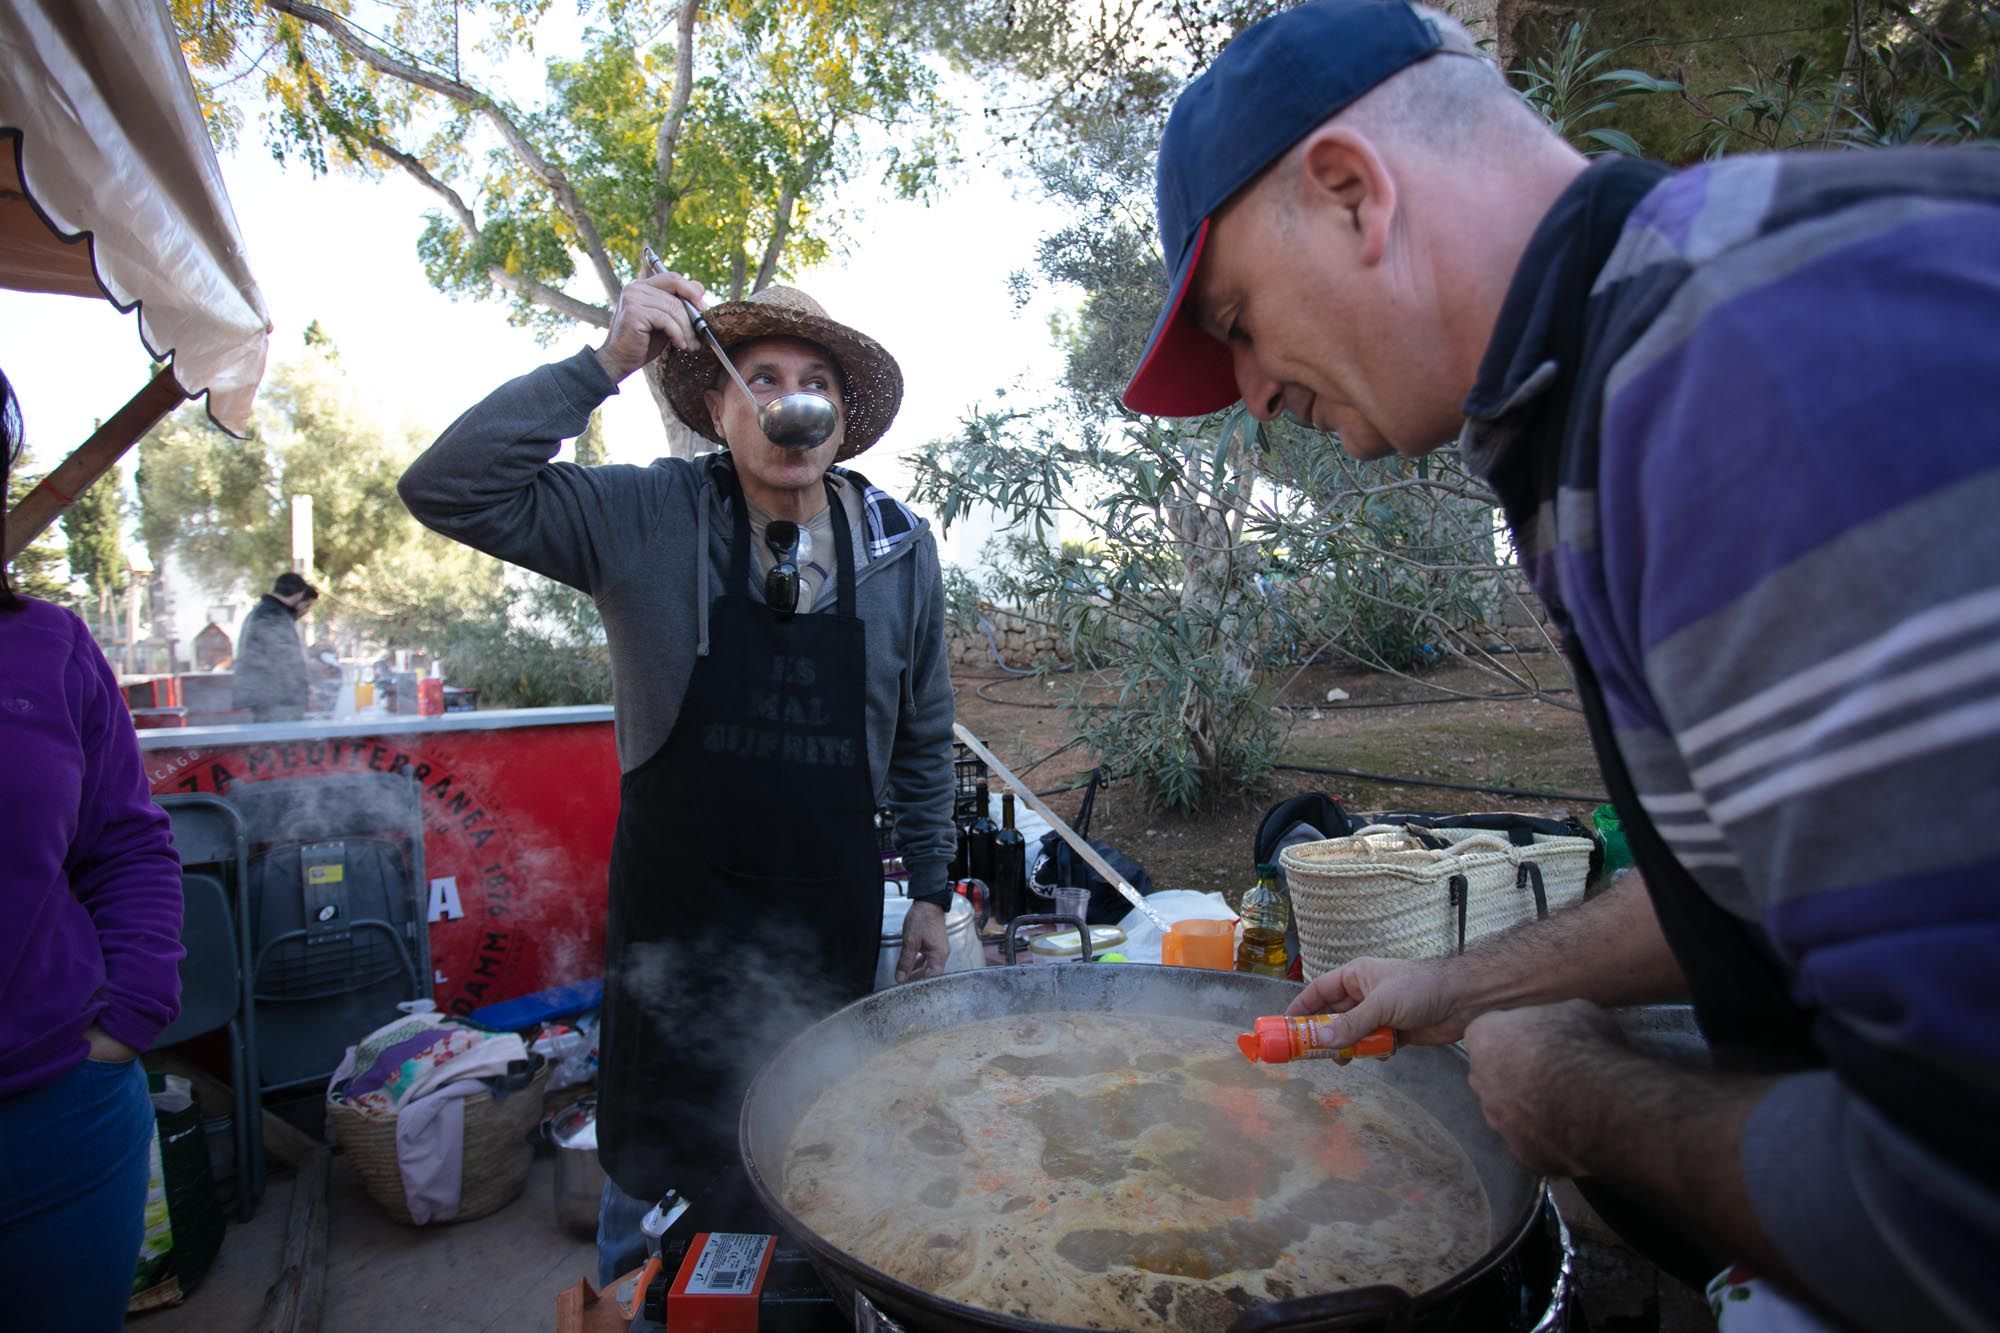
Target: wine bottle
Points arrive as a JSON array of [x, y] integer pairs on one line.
[[1010, 865], [979, 834]]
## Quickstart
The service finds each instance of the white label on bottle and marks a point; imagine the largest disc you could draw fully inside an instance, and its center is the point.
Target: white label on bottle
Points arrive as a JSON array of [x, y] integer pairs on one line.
[[728, 1265]]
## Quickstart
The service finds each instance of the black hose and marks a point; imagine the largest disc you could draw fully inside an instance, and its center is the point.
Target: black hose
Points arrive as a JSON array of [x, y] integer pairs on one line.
[[1022, 703], [1392, 780], [1001, 662], [1508, 696], [1067, 745]]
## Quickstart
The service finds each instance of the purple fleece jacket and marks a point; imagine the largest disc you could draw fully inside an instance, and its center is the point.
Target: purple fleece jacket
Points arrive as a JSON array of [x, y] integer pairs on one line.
[[90, 887]]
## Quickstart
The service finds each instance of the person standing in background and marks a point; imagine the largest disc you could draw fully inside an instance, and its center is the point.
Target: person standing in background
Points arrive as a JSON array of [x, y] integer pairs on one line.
[[89, 965], [776, 629], [270, 659]]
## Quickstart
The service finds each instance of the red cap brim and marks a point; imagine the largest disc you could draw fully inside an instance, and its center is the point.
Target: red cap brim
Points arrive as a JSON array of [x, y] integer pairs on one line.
[[1184, 373]]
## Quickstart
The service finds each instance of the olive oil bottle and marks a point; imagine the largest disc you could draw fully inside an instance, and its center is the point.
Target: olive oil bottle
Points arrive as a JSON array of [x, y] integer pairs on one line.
[[1265, 916]]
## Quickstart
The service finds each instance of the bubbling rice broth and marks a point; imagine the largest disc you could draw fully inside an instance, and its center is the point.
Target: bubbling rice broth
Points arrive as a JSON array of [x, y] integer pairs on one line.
[[1128, 1171]]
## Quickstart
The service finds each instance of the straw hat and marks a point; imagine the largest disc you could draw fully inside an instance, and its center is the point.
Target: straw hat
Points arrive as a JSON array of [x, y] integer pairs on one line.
[[872, 381]]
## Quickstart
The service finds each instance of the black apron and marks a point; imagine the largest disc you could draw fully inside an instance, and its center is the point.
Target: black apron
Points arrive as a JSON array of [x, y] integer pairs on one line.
[[746, 884]]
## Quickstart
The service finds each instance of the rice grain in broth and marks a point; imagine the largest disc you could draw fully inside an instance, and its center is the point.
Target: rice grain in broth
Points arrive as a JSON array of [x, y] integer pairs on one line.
[[1131, 1172]]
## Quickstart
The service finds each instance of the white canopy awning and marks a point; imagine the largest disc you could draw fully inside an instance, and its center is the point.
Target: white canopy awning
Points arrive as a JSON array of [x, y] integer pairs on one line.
[[109, 187]]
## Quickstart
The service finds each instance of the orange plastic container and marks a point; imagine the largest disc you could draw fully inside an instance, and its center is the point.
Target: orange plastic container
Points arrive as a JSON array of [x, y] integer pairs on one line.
[[1210, 944], [1278, 1039]]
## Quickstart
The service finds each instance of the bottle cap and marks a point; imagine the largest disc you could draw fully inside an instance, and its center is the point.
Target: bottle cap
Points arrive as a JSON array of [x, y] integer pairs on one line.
[[1265, 870], [1271, 1042]]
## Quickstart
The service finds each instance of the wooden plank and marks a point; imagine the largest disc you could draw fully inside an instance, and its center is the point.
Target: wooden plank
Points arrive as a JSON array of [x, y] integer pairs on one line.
[[1083, 848], [92, 459], [294, 1302]]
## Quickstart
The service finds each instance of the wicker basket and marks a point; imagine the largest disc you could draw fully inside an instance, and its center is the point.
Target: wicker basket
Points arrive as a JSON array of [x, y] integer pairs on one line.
[[495, 1152], [1384, 893]]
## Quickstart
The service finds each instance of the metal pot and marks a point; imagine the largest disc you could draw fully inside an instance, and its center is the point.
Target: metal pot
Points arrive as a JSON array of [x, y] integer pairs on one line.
[[579, 1177], [828, 1051], [961, 932]]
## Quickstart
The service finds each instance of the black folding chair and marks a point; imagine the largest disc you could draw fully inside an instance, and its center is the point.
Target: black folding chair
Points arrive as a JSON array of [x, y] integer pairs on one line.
[[215, 984], [338, 936]]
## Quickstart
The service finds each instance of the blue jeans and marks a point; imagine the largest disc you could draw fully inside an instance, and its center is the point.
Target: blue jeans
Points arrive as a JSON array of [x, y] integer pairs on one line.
[[73, 1169], [621, 1246]]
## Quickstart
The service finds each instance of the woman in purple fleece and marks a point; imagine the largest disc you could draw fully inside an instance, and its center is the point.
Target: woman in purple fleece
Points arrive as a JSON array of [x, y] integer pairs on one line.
[[90, 894]]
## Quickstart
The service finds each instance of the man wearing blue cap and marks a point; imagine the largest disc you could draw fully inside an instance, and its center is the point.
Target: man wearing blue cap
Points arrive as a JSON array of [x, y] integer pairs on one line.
[[1742, 421]]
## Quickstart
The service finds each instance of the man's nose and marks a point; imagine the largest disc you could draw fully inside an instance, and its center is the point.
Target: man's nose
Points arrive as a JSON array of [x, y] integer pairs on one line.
[[1262, 395]]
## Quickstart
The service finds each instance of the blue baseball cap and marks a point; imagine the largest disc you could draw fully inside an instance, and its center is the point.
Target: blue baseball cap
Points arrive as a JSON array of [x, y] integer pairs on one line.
[[1274, 84]]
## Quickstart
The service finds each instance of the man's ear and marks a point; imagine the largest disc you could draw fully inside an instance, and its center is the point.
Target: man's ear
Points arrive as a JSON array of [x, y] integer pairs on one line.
[[713, 397], [1341, 170]]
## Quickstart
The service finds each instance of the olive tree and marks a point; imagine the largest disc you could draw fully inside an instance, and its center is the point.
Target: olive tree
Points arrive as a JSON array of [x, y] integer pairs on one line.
[[718, 132]]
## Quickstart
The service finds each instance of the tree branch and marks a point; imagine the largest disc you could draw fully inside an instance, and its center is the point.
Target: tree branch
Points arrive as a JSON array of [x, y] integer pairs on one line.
[[547, 172], [543, 295], [549, 297], [670, 128], [781, 231], [409, 162]]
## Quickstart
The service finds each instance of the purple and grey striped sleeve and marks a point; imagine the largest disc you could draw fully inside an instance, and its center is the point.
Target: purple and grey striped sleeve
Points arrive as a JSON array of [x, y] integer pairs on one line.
[[1793, 589]]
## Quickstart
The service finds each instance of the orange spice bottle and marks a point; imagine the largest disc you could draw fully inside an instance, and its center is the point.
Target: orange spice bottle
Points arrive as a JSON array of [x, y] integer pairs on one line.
[[1278, 1039]]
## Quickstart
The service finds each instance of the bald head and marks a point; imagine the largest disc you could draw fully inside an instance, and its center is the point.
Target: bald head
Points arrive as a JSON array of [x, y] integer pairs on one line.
[[1453, 107]]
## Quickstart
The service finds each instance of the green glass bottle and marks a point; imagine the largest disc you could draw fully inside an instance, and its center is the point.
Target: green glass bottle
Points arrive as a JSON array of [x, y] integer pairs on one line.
[[1265, 916]]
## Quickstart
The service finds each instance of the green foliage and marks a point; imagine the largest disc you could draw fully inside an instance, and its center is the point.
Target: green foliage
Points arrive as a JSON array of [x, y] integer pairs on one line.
[[962, 598], [536, 192], [212, 499], [1156, 605], [93, 528], [1803, 75], [224, 504], [521, 640], [590, 445], [40, 569], [1569, 87], [1192, 580]]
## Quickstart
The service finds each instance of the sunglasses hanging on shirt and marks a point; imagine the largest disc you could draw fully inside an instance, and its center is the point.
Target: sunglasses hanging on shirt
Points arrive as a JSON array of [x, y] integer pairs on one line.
[[790, 546]]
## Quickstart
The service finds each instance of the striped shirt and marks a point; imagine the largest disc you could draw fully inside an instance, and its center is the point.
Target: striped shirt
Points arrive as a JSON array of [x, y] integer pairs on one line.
[[1761, 488]]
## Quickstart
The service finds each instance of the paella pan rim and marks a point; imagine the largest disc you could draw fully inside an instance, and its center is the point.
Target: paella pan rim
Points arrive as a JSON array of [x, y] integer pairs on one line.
[[1046, 979]]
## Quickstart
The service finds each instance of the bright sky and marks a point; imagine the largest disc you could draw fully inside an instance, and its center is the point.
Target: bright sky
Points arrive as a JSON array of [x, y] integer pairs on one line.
[[928, 282]]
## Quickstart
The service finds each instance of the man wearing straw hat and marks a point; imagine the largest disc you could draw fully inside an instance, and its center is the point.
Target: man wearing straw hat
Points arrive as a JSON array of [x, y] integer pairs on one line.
[[1741, 420], [776, 627]]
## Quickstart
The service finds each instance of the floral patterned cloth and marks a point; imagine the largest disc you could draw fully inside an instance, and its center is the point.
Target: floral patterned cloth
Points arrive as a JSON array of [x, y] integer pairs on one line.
[[411, 1056]]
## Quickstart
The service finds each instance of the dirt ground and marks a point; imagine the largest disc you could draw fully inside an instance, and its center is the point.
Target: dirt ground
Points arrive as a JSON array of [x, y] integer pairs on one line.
[[1386, 726]]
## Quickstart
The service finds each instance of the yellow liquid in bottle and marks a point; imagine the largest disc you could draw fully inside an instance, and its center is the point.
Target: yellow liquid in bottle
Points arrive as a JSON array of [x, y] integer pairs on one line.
[[1262, 952]]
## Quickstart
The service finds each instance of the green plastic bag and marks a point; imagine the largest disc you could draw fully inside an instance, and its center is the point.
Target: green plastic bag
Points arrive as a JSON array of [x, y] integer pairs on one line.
[[184, 1221], [1617, 856]]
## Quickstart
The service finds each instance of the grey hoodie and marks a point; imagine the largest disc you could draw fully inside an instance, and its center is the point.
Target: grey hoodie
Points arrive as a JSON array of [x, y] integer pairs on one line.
[[650, 545]]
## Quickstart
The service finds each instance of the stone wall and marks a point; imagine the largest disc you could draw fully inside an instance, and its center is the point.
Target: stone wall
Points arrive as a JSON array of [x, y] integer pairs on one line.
[[1024, 641]]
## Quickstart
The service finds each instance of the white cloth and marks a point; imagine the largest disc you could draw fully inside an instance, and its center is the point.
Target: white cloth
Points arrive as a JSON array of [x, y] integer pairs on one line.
[[1142, 937], [430, 1150]]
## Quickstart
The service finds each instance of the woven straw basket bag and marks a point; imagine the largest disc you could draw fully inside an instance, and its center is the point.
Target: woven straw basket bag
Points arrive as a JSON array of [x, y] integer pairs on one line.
[[1408, 892], [493, 1167]]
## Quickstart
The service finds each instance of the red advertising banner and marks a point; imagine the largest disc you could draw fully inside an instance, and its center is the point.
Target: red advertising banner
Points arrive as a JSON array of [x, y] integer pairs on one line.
[[518, 819]]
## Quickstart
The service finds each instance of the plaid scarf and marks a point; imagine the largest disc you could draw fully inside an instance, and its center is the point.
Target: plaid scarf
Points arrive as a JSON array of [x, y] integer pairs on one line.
[[889, 521]]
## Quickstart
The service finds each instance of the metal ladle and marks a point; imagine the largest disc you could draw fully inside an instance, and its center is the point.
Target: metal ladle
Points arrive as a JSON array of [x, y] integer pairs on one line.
[[790, 421]]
